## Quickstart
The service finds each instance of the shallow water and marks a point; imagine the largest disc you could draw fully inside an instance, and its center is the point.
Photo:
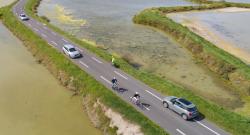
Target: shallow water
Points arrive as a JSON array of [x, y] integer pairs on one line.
[[232, 27], [5, 2], [237, 1], [32, 102], [109, 23]]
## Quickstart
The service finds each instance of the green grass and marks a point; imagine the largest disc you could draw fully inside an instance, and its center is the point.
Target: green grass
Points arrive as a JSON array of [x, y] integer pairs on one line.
[[230, 121], [57, 63]]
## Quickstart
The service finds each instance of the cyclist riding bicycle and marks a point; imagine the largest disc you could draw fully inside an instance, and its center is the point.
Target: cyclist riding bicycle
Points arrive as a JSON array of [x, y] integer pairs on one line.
[[136, 95], [136, 98], [114, 82]]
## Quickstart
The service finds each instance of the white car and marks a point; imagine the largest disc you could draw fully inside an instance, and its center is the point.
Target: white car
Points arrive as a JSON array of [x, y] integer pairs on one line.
[[23, 17], [71, 51]]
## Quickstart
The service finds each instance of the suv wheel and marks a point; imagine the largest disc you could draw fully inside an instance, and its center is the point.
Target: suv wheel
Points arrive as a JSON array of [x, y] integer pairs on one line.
[[184, 116], [165, 104]]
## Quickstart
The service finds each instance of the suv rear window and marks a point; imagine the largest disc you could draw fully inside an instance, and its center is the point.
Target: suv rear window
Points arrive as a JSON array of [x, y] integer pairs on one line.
[[192, 109], [72, 49], [184, 101]]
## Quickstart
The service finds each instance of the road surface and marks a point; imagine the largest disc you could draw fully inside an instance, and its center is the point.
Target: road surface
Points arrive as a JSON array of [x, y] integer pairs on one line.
[[103, 72]]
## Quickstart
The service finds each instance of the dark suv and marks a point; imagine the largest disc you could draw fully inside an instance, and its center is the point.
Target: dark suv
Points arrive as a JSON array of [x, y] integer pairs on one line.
[[183, 107]]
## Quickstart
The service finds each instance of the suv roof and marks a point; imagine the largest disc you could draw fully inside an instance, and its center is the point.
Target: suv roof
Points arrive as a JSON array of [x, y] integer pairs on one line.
[[186, 102]]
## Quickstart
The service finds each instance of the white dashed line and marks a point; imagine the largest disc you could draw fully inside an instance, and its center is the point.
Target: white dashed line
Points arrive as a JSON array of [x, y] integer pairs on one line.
[[147, 108], [79, 49], [44, 35], [121, 75], [106, 80], [53, 33], [54, 43], [206, 127], [84, 64], [178, 130], [65, 40], [153, 95], [36, 29], [96, 60]]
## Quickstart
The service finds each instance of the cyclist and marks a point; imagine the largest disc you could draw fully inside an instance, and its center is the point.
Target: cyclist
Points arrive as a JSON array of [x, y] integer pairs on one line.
[[114, 82], [113, 60], [137, 95]]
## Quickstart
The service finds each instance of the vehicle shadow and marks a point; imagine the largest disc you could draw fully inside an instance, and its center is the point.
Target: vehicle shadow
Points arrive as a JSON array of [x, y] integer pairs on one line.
[[199, 118]]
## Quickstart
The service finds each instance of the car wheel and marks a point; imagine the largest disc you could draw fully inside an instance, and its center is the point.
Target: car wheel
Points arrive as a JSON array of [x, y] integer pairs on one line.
[[165, 104], [184, 116]]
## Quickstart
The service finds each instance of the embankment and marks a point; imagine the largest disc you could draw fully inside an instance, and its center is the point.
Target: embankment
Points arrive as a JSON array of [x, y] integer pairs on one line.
[[215, 113], [76, 80], [227, 66]]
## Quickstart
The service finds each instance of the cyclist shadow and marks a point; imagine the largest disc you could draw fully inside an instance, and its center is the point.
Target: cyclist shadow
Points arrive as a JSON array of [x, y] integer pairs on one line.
[[122, 90], [144, 106]]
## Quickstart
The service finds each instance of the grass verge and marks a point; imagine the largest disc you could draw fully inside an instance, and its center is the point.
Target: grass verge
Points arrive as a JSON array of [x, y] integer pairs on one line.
[[219, 115], [72, 76]]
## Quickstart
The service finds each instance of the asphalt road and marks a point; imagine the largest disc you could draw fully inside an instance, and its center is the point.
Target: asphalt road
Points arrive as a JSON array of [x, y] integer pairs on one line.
[[103, 72]]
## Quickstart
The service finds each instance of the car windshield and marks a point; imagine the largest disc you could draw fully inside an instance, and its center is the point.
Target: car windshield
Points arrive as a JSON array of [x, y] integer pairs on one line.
[[193, 109], [184, 101], [22, 15], [72, 49], [173, 100]]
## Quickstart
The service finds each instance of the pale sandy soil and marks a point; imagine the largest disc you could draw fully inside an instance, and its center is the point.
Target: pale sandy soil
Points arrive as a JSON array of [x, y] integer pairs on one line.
[[233, 9], [124, 127], [204, 31]]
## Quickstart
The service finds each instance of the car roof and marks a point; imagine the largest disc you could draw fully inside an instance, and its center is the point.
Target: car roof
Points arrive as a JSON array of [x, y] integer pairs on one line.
[[69, 46], [169, 98], [186, 102]]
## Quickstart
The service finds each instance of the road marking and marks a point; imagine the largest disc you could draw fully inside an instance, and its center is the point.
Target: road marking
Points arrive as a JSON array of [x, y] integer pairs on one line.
[[84, 64], [36, 29], [29, 24], [44, 35], [53, 33], [96, 60], [54, 43], [121, 75], [79, 49], [65, 40], [153, 95], [147, 108], [106, 80], [206, 127], [178, 130]]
